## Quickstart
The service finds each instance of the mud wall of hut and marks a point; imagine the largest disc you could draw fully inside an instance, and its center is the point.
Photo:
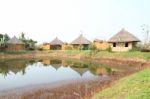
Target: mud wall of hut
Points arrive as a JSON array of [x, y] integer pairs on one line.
[[15, 47], [120, 47]]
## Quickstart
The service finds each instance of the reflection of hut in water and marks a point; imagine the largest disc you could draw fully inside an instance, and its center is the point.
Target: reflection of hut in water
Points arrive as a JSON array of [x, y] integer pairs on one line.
[[16, 66], [76, 64], [56, 63], [56, 44], [31, 62], [64, 63], [101, 70], [81, 71], [46, 62]]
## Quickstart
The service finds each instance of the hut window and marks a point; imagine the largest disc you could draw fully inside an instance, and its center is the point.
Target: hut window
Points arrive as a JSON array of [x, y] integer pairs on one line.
[[126, 44], [114, 44]]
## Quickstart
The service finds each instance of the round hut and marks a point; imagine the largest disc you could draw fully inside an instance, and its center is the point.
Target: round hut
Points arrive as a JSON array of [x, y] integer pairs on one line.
[[81, 42], [123, 41], [15, 44], [56, 44]]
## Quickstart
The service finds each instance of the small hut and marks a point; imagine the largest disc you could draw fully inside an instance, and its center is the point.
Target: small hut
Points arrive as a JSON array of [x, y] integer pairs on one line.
[[123, 41], [15, 44], [56, 44], [101, 44], [81, 43]]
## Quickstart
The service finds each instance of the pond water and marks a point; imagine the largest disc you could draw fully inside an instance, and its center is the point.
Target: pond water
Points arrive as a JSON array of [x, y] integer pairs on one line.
[[21, 73]]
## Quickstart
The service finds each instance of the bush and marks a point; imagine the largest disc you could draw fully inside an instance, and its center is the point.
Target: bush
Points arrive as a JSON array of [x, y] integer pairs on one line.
[[134, 49], [31, 48], [145, 50], [40, 49], [109, 49], [93, 47]]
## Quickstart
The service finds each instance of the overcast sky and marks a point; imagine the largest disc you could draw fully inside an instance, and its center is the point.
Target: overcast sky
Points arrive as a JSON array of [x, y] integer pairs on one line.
[[43, 20]]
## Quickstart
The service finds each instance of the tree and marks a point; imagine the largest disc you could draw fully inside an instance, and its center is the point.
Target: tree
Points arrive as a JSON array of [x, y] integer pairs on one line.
[[6, 37], [3, 41], [146, 31], [22, 36], [29, 43]]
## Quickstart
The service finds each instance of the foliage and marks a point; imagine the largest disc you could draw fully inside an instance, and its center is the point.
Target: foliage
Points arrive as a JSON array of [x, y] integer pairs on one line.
[[93, 47], [93, 50], [40, 49], [109, 49], [3, 41], [135, 86], [29, 43]]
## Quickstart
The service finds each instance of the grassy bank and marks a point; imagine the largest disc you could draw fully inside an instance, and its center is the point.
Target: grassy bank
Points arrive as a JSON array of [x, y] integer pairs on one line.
[[136, 86], [134, 55], [106, 54]]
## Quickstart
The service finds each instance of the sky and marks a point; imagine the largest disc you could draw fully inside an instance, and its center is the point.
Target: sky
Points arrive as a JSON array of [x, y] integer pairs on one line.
[[43, 20]]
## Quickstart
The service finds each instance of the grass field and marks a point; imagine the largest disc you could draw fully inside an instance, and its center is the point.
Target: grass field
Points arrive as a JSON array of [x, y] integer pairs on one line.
[[136, 86], [106, 54]]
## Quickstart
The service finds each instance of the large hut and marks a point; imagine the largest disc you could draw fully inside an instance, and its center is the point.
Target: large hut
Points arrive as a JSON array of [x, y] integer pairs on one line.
[[81, 42], [15, 44], [56, 44], [123, 41]]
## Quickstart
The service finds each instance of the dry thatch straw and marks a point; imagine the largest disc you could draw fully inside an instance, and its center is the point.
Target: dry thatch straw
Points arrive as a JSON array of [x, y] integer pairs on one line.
[[123, 36]]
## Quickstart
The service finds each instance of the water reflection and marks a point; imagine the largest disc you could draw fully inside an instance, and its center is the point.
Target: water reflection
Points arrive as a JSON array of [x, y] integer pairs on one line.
[[19, 73]]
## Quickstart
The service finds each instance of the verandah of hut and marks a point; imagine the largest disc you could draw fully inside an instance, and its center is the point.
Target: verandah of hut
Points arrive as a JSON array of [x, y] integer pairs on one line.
[[15, 44], [81, 43], [56, 44]]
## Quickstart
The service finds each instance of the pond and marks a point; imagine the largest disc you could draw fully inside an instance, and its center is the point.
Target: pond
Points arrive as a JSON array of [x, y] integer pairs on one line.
[[23, 73]]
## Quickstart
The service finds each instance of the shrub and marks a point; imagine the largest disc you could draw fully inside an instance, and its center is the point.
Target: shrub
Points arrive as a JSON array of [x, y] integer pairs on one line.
[[40, 49], [109, 49]]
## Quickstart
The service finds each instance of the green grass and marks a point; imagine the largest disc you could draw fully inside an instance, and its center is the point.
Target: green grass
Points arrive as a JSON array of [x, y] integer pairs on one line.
[[136, 86], [106, 54]]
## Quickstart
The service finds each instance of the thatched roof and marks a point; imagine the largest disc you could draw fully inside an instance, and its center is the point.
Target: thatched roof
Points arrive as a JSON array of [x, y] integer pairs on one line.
[[14, 40], [123, 36], [98, 40], [56, 41], [81, 40]]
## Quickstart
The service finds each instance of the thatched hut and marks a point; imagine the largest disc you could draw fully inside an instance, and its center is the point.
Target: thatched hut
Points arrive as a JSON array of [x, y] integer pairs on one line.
[[15, 44], [81, 43], [56, 44], [123, 41]]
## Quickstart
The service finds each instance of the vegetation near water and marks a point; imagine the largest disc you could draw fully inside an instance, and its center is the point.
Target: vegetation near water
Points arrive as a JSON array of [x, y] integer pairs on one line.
[[89, 53], [106, 54], [136, 86]]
